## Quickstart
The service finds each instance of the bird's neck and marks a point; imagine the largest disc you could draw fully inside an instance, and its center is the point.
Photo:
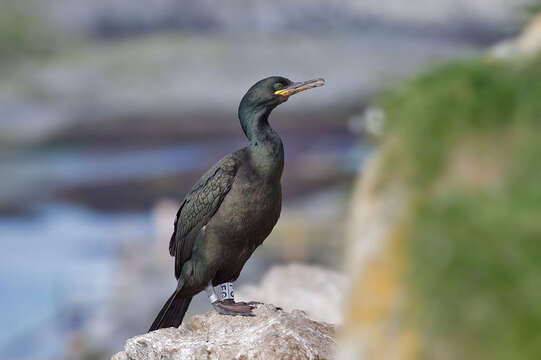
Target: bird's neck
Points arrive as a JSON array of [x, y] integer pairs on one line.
[[266, 148]]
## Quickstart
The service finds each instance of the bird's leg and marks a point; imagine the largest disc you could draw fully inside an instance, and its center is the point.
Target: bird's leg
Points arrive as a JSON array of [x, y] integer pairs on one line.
[[226, 305], [227, 296], [211, 294]]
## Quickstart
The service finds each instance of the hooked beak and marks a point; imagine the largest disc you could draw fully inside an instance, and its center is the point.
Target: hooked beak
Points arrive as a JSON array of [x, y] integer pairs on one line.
[[297, 87]]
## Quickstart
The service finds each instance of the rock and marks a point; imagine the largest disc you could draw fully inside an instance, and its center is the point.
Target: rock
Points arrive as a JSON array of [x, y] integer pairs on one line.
[[373, 327], [272, 334], [120, 356], [527, 43], [313, 289]]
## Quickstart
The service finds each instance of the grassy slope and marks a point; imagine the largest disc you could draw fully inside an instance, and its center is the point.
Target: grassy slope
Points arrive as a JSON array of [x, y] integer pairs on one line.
[[467, 138]]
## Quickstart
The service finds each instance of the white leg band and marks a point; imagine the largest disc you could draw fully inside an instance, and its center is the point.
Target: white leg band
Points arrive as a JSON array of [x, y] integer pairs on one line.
[[211, 294], [226, 291]]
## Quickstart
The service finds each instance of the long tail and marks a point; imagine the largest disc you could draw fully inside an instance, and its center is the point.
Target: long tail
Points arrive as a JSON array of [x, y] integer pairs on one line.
[[172, 313]]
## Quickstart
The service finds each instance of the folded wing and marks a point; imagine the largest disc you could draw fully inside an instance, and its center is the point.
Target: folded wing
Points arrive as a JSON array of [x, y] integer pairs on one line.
[[198, 207]]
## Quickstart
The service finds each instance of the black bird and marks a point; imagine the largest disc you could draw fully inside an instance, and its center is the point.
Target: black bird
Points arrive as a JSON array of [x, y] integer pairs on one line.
[[233, 207]]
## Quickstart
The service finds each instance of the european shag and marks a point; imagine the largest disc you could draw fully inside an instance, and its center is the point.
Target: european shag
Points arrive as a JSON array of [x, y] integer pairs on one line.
[[230, 211]]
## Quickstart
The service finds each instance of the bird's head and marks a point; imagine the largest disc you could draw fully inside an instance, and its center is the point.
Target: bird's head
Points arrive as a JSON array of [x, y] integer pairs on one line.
[[272, 91]]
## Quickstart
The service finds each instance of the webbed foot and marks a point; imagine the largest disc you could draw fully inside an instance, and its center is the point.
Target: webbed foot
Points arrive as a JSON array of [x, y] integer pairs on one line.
[[229, 307], [252, 304]]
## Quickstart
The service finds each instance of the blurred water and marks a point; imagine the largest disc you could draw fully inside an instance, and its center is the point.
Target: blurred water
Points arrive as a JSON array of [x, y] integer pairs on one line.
[[56, 258], [31, 172], [78, 166]]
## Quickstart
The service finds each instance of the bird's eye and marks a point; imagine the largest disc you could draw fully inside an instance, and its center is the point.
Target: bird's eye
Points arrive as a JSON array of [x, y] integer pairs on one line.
[[278, 86]]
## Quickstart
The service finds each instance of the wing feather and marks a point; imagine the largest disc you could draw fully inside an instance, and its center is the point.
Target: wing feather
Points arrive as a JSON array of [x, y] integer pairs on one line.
[[198, 207]]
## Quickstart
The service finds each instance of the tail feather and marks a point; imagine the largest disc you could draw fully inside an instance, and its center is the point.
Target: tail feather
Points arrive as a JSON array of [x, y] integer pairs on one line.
[[172, 312]]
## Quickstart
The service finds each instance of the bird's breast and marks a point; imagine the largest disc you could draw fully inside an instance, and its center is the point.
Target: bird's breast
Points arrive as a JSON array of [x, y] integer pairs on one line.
[[250, 210]]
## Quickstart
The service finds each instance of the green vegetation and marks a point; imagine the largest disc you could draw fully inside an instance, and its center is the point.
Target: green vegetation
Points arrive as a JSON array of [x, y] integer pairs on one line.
[[22, 34], [467, 138], [534, 7]]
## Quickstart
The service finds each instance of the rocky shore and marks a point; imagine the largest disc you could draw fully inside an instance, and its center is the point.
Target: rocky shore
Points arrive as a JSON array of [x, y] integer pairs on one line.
[[271, 334]]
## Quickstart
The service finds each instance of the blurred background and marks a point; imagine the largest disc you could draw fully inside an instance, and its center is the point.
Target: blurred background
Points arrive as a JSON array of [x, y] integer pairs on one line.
[[110, 110]]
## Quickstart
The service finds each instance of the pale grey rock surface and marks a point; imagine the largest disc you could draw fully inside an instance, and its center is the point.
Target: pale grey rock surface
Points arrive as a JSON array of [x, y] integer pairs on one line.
[[373, 317], [272, 334], [526, 44], [316, 290]]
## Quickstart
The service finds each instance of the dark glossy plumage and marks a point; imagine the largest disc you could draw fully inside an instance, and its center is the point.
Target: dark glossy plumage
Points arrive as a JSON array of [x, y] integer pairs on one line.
[[199, 205], [233, 207]]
